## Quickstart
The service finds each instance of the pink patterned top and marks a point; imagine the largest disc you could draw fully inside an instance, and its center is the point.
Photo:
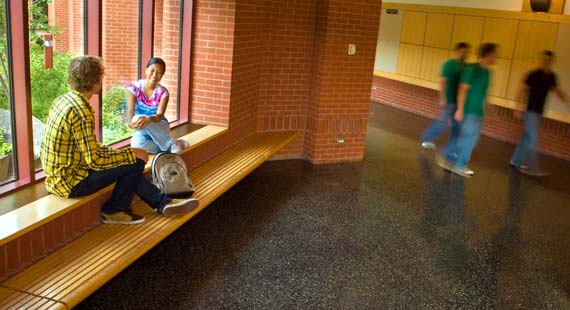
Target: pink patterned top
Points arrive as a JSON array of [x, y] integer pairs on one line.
[[145, 105]]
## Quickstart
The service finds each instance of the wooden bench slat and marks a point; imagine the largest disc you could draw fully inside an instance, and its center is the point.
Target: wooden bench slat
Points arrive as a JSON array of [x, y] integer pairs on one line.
[[85, 253], [219, 173], [214, 167], [78, 269], [228, 154], [10, 299], [31, 216]]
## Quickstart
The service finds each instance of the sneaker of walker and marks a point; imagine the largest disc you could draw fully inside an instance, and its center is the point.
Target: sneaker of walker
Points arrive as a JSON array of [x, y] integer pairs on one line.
[[428, 145]]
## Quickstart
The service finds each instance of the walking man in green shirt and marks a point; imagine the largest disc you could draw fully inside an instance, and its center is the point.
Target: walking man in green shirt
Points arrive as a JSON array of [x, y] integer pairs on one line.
[[449, 82], [471, 97]]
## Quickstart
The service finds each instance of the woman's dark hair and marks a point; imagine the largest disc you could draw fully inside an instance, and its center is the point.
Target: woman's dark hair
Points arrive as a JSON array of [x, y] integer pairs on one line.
[[156, 60]]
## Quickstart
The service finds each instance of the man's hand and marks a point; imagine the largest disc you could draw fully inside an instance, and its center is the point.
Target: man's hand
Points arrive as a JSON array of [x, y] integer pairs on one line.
[[442, 103], [459, 115], [141, 154]]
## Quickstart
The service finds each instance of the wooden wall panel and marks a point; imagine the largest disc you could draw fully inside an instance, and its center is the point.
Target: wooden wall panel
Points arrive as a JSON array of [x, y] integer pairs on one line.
[[432, 60], [409, 60], [533, 38], [467, 29], [503, 32], [438, 30], [562, 70], [500, 77], [413, 28]]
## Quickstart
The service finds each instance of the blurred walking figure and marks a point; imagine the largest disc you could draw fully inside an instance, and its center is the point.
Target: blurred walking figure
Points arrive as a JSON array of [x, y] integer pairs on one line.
[[534, 91], [449, 82], [471, 98]]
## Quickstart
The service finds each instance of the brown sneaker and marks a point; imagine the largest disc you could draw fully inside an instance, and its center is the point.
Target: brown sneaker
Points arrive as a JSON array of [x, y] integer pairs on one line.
[[179, 206], [125, 218]]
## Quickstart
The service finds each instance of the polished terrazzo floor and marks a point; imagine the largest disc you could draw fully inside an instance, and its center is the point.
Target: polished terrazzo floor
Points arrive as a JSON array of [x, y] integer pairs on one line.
[[391, 232]]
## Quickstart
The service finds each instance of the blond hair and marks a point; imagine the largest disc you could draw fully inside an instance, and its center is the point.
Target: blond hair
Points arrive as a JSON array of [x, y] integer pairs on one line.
[[85, 72]]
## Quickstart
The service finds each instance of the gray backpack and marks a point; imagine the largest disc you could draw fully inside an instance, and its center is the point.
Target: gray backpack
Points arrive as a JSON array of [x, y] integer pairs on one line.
[[170, 175]]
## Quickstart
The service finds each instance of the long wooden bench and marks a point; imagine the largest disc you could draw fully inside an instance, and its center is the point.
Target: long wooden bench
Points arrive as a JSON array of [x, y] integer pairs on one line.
[[69, 275], [29, 217]]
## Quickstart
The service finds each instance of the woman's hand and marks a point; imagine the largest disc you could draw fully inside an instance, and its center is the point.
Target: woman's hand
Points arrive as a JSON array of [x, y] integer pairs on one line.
[[141, 122]]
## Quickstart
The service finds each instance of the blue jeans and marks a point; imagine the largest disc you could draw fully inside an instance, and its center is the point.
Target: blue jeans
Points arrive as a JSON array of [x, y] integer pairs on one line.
[[470, 132], [154, 138], [438, 126], [526, 151], [130, 180]]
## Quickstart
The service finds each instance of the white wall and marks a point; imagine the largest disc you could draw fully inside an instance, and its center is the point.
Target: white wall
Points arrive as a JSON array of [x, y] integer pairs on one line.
[[505, 5], [387, 51]]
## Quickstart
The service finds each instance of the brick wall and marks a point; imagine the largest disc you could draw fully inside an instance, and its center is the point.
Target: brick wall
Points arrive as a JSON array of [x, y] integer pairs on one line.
[[286, 75], [248, 60], [67, 16], [166, 46], [341, 83], [212, 59], [499, 122], [281, 65], [120, 42]]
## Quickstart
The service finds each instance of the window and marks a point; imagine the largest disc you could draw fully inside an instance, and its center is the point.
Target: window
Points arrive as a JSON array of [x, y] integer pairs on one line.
[[120, 57], [56, 36], [47, 34], [6, 133]]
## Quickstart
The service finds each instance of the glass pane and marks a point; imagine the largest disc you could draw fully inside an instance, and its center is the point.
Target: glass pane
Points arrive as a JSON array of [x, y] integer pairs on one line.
[[166, 46], [56, 36], [120, 57], [6, 133]]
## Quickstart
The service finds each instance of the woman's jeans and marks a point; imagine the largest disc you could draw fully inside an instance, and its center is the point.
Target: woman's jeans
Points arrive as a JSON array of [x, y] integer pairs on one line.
[[154, 138]]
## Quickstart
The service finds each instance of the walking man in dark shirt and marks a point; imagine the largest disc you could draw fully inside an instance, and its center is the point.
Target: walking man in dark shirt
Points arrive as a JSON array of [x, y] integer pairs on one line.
[[537, 85]]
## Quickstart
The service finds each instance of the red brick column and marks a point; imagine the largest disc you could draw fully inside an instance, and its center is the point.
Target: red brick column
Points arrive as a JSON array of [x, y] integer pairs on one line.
[[341, 83], [286, 74]]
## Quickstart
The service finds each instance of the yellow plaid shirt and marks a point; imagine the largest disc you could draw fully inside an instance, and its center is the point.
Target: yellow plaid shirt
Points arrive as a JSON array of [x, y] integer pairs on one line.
[[70, 148]]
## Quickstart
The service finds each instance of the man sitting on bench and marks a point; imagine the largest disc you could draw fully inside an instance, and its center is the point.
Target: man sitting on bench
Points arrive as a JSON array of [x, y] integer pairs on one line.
[[76, 164]]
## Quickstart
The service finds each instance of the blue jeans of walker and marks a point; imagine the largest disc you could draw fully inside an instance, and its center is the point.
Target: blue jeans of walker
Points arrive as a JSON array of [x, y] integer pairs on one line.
[[130, 180], [470, 132], [526, 151], [442, 123], [154, 138]]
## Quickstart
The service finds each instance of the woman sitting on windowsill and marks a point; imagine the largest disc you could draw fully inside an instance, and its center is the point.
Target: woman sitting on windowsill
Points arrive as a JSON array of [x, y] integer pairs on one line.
[[146, 103]]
